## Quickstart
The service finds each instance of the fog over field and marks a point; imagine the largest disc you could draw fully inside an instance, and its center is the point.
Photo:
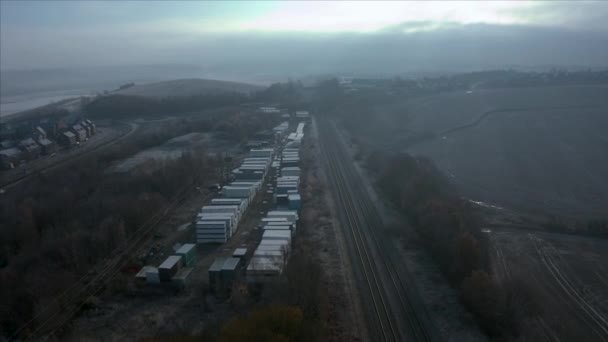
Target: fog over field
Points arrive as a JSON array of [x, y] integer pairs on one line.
[[541, 149], [48, 57]]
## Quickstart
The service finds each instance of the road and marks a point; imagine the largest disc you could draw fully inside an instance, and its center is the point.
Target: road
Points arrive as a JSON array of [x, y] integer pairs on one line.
[[395, 311]]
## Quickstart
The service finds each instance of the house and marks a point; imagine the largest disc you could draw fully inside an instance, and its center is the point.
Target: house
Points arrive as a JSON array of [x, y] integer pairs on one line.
[[79, 132], [39, 133], [10, 157], [48, 147], [30, 148], [92, 126], [86, 127], [66, 139]]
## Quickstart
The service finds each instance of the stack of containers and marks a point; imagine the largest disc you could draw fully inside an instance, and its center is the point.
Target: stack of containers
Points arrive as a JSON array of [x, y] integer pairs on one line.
[[222, 274], [217, 222], [279, 225], [242, 203], [213, 229], [281, 129]]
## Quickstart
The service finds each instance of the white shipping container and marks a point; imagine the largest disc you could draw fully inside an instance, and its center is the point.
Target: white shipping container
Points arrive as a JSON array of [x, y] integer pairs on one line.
[[293, 171], [277, 227], [270, 254], [267, 220], [276, 235], [291, 215], [216, 223], [261, 152]]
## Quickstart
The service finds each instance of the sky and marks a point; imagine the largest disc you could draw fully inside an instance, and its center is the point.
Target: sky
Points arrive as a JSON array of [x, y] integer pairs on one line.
[[303, 37]]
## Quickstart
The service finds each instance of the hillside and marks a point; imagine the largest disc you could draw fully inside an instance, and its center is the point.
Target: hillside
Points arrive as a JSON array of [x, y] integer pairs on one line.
[[188, 87]]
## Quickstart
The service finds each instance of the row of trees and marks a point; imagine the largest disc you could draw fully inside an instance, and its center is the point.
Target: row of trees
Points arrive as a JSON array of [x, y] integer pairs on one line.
[[59, 229], [450, 229], [127, 106]]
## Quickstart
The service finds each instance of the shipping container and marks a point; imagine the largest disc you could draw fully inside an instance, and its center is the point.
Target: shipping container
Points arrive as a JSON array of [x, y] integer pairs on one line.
[[261, 152], [238, 192], [294, 202], [215, 275], [277, 227], [239, 253], [180, 279], [169, 267], [263, 269], [267, 247], [222, 209], [292, 171], [292, 226], [264, 221], [276, 235], [213, 231], [282, 200], [152, 276], [278, 255], [188, 254], [291, 215], [141, 275], [231, 271]]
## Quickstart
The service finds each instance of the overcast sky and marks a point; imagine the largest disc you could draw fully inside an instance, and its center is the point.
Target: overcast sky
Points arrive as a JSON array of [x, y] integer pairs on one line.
[[315, 36]]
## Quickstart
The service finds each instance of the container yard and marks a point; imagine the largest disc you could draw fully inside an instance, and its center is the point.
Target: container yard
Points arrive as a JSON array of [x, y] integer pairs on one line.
[[279, 225], [277, 171]]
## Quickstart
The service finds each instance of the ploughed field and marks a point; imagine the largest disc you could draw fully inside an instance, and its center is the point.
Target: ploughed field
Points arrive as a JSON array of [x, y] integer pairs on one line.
[[542, 149], [568, 277]]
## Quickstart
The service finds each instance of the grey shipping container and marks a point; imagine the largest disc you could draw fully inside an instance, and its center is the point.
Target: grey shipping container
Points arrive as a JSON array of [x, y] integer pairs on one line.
[[215, 275], [188, 254], [169, 267]]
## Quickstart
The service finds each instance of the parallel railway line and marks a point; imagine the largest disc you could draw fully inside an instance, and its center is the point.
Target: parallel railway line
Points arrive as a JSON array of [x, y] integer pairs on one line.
[[397, 312]]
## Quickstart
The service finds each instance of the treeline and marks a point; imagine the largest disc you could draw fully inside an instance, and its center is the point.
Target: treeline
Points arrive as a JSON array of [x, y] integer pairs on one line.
[[451, 231], [125, 106], [62, 226]]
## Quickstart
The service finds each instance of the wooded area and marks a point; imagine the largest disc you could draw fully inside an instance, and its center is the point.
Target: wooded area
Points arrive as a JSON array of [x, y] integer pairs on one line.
[[450, 229], [60, 224]]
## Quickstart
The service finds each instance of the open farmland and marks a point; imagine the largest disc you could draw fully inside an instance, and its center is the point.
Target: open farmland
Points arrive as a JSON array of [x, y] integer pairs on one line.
[[537, 149], [570, 278]]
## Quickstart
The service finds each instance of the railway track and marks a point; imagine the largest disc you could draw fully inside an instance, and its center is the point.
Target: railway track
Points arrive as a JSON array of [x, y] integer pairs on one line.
[[397, 313]]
